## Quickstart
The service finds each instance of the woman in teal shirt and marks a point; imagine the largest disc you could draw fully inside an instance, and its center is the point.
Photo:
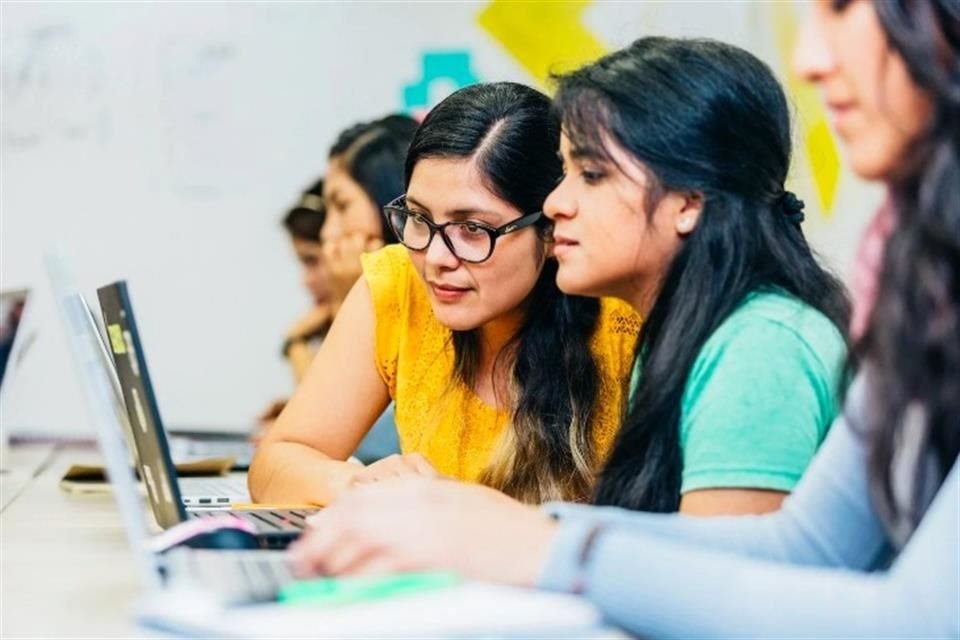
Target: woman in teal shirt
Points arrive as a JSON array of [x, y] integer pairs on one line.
[[675, 156]]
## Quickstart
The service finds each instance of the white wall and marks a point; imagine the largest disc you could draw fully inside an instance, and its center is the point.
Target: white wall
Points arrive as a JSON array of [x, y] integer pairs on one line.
[[162, 142]]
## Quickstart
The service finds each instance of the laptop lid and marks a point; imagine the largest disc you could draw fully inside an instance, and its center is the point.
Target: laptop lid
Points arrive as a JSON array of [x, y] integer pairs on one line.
[[12, 304], [105, 362], [153, 451], [104, 359], [99, 393]]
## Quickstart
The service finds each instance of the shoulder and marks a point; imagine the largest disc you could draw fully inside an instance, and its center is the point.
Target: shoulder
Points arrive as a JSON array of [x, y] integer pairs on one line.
[[618, 318], [777, 325], [392, 280], [761, 396], [400, 306], [387, 265], [775, 357], [615, 336]]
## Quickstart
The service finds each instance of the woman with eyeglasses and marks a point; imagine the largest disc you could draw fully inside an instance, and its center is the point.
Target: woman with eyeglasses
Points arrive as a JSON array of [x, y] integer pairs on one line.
[[868, 546], [496, 375]]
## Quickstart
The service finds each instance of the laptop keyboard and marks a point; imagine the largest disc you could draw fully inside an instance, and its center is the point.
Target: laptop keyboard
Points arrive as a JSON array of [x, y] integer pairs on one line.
[[235, 577], [265, 520], [214, 491], [240, 450]]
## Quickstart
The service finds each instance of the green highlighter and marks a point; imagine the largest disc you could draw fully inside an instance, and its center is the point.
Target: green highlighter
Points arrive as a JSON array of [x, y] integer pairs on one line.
[[332, 592]]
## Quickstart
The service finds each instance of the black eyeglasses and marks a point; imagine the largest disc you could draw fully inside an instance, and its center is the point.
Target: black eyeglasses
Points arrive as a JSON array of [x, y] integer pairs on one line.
[[469, 241]]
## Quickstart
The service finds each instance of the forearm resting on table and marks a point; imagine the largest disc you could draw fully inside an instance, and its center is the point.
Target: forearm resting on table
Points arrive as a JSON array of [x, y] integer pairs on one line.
[[294, 473]]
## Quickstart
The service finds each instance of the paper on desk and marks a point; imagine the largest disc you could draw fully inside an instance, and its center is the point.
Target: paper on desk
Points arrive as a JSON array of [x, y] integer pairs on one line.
[[200, 467], [466, 611]]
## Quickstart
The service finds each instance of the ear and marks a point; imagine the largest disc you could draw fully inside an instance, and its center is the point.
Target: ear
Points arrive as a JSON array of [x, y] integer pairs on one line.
[[686, 212]]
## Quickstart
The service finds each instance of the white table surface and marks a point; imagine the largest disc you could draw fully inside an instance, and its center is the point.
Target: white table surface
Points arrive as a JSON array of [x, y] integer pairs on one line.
[[65, 567]]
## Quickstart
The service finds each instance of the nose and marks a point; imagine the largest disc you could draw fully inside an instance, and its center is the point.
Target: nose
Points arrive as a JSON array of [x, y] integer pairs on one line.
[[331, 228], [311, 276], [812, 54], [560, 203], [438, 254]]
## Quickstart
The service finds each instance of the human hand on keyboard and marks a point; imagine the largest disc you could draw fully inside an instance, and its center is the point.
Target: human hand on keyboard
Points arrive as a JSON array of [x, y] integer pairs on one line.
[[415, 524], [395, 466]]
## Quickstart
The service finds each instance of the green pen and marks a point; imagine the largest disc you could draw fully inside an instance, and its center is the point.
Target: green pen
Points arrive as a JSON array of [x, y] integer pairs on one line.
[[331, 592]]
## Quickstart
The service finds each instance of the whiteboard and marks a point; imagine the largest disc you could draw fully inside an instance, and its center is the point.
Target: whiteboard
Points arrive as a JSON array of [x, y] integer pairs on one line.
[[162, 142]]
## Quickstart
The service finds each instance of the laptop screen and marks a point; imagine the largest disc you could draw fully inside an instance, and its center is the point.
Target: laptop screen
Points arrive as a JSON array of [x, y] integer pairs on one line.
[[84, 344], [12, 304], [153, 451]]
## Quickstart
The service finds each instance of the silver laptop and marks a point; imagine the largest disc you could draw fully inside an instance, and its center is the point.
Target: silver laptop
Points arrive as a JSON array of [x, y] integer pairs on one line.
[[230, 577], [220, 492], [276, 528]]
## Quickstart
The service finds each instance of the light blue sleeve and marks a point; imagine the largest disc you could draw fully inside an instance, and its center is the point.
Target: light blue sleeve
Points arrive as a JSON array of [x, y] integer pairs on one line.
[[800, 572], [832, 491]]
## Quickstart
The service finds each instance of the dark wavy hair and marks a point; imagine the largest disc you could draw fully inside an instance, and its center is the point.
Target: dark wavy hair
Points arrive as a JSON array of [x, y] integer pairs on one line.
[[912, 343], [372, 154], [701, 117], [510, 131], [306, 218]]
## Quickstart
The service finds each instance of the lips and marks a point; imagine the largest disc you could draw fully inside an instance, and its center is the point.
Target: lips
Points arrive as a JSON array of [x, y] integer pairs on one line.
[[563, 245], [840, 107], [840, 111], [447, 292]]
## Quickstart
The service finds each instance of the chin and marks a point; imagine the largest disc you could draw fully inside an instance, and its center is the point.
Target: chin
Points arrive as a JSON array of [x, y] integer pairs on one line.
[[873, 162], [868, 168], [572, 285], [456, 319]]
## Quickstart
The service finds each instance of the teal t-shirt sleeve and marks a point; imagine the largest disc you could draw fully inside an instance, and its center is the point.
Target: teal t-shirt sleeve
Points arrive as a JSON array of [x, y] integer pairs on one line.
[[759, 401]]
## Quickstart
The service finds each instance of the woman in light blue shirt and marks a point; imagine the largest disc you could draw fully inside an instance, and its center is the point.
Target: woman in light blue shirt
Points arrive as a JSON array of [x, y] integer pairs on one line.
[[868, 545]]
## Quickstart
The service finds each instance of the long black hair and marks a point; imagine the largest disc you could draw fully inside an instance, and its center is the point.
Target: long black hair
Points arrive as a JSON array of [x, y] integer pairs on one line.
[[513, 136], [372, 154], [912, 343], [701, 117]]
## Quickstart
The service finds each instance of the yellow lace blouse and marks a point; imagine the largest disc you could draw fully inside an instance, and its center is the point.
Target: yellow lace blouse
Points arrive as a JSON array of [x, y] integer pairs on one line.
[[440, 418]]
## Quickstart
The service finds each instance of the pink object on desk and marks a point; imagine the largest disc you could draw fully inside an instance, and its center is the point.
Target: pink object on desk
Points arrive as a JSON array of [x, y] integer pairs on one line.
[[182, 533]]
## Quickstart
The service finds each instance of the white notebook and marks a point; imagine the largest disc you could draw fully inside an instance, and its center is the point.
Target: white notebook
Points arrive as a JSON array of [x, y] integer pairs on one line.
[[470, 610]]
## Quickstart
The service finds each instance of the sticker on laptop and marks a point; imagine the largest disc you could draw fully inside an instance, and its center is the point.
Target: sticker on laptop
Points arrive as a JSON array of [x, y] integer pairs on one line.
[[116, 339]]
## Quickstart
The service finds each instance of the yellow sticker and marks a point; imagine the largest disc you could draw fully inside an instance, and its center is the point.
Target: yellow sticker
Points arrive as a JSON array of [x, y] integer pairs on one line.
[[116, 339], [825, 162], [544, 37], [819, 144]]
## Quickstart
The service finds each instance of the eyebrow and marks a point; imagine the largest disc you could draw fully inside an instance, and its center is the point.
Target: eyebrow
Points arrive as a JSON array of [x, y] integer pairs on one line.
[[584, 153], [458, 214], [587, 153]]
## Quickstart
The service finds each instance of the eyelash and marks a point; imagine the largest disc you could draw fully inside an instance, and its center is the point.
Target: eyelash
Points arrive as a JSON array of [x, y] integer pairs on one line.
[[476, 223], [592, 177], [589, 177], [837, 6]]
